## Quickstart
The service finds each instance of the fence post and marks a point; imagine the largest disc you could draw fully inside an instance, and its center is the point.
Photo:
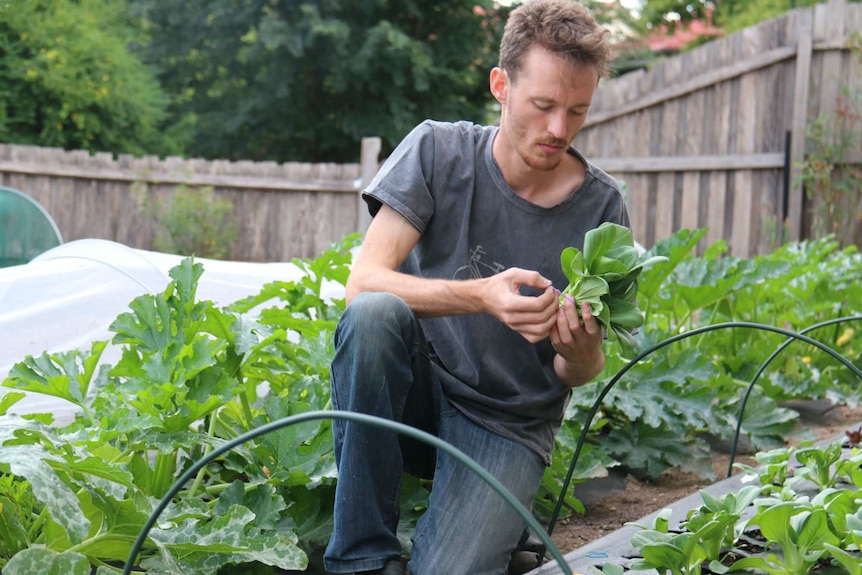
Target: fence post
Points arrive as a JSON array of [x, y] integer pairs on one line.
[[368, 165], [804, 48]]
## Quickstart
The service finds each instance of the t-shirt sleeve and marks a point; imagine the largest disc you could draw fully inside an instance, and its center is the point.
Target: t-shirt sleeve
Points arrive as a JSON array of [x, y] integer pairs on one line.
[[404, 180]]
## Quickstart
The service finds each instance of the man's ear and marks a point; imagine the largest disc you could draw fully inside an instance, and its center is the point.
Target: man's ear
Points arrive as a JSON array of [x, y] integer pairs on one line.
[[499, 84]]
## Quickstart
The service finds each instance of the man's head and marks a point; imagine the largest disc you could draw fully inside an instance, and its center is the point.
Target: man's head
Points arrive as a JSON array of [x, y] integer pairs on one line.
[[562, 27]]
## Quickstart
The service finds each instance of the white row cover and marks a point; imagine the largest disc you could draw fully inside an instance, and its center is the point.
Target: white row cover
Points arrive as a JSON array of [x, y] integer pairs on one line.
[[67, 297]]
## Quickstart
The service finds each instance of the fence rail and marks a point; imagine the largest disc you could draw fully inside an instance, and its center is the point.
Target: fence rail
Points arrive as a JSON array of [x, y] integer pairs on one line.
[[714, 137]]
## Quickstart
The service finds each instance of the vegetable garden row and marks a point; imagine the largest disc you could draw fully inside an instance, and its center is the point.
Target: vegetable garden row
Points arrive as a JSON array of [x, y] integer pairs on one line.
[[193, 376]]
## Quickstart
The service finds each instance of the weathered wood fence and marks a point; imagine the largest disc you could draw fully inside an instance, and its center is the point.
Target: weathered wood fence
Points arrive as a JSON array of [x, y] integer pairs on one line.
[[283, 210], [713, 137]]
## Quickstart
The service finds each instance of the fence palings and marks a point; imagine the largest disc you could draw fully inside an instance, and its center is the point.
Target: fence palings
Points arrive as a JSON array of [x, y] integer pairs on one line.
[[283, 210], [713, 137]]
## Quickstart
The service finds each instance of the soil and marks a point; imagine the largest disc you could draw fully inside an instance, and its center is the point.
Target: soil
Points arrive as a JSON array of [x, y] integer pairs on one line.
[[640, 498]]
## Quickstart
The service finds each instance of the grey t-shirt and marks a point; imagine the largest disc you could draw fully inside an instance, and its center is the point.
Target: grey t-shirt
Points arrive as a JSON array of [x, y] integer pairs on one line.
[[444, 180]]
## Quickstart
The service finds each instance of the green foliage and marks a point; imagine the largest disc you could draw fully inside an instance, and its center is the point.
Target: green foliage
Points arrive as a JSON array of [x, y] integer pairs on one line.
[[190, 377], [306, 81], [656, 415], [793, 534], [193, 221], [729, 15], [69, 79], [672, 553], [832, 184]]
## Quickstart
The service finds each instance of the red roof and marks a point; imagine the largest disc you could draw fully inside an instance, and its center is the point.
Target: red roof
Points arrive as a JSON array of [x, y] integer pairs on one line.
[[661, 40]]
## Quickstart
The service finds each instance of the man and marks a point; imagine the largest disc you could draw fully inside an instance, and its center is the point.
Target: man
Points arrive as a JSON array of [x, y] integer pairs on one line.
[[454, 323]]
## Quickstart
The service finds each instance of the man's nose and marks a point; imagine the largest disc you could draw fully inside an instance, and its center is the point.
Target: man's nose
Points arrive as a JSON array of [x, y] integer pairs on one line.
[[558, 124]]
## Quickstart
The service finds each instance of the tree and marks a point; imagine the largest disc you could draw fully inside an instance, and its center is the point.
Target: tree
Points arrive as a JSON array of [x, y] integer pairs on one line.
[[306, 80], [67, 79]]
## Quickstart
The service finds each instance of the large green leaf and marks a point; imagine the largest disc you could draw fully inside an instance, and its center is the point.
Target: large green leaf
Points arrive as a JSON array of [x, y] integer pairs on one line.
[[228, 537], [677, 248], [59, 499], [655, 450], [44, 561]]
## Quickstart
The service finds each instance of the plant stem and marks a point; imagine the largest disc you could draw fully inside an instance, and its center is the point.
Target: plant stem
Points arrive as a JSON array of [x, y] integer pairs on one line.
[[246, 410], [199, 478], [163, 473]]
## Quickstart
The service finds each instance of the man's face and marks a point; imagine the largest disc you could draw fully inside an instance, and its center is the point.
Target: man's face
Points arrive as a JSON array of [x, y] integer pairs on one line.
[[545, 107]]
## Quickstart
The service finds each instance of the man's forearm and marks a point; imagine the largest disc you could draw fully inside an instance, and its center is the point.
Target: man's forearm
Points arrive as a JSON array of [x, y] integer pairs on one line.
[[426, 297]]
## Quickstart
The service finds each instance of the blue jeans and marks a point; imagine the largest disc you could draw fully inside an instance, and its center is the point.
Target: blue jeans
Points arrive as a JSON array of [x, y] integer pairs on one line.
[[382, 367]]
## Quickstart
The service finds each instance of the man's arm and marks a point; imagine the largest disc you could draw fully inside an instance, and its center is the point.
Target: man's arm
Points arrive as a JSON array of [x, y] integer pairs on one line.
[[387, 243]]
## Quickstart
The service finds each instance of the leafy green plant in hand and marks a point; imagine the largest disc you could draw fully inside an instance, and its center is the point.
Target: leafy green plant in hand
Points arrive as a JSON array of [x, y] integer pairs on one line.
[[605, 276]]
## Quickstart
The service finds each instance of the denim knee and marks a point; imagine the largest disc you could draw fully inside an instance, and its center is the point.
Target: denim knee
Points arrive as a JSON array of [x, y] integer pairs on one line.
[[372, 310]]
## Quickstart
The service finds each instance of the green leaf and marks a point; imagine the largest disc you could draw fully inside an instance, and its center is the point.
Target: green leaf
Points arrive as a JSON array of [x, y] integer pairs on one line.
[[653, 451], [572, 263], [47, 562], [148, 326], [261, 499], [65, 375], [624, 314], [590, 289], [8, 399], [599, 241], [57, 497], [234, 535], [13, 535], [609, 268], [83, 467], [295, 454], [850, 562], [310, 513]]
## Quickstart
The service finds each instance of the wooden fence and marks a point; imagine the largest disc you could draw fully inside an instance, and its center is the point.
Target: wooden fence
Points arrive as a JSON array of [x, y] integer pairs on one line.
[[714, 137], [283, 210], [711, 138]]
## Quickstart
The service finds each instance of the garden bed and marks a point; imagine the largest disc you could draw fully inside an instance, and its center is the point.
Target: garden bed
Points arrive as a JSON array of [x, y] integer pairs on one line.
[[603, 535]]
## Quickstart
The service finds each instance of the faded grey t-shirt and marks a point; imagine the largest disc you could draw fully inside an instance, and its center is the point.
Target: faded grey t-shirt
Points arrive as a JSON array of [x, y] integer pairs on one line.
[[444, 180]]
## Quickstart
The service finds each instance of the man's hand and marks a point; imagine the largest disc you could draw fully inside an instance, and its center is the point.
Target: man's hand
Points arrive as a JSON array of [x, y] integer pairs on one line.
[[578, 343], [531, 316]]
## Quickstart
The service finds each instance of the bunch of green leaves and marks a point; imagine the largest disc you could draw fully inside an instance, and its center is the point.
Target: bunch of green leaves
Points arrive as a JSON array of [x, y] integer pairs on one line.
[[605, 276], [191, 376]]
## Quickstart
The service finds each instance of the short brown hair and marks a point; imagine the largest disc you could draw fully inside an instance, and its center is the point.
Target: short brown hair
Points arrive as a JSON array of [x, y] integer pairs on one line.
[[563, 27]]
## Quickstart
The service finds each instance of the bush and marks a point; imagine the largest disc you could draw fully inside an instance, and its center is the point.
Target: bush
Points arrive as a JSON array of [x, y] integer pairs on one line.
[[193, 221]]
